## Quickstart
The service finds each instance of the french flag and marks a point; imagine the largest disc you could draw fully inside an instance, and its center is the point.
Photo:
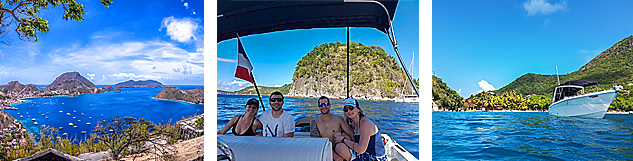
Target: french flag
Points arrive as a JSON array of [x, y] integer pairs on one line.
[[244, 66]]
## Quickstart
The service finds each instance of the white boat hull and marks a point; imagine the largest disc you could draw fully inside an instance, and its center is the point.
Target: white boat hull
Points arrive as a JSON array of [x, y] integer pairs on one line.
[[592, 105], [407, 100]]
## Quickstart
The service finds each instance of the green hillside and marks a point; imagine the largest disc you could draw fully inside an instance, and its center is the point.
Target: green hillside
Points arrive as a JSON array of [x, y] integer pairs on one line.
[[373, 73], [263, 90], [613, 66], [444, 96]]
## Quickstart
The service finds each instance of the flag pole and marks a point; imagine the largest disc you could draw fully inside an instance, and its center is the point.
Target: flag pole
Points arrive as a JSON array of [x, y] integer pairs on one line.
[[258, 95], [250, 72]]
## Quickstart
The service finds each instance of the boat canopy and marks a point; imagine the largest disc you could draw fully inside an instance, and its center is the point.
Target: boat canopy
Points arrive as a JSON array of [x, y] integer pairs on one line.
[[256, 17], [583, 83]]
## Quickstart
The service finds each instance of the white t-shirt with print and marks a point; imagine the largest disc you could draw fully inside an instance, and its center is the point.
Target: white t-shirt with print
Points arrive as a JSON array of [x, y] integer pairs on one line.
[[277, 127]]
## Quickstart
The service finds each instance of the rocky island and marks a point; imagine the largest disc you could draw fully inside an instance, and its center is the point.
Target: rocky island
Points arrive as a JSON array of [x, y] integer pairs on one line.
[[71, 83], [140, 83], [67, 84], [194, 96]]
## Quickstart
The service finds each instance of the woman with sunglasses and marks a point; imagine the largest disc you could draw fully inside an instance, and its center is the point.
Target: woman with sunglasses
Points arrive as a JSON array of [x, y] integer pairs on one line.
[[246, 124], [368, 145]]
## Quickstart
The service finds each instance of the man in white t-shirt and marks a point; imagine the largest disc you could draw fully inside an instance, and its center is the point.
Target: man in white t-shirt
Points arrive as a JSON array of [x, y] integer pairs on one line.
[[277, 122]]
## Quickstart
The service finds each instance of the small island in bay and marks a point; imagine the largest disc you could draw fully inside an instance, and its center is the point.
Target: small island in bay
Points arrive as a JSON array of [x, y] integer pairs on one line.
[[71, 83], [194, 96], [140, 83], [66, 84]]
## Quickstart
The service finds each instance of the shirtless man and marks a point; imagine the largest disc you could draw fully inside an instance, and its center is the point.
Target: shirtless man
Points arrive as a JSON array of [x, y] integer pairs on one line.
[[328, 124]]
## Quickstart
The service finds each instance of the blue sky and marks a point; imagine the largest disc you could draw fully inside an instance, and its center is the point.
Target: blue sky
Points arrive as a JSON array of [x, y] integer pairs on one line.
[[159, 40], [275, 55], [484, 45]]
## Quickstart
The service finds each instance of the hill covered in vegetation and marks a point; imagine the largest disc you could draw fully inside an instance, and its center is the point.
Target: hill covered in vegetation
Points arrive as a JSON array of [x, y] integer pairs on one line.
[[444, 96], [613, 66], [263, 90], [374, 74]]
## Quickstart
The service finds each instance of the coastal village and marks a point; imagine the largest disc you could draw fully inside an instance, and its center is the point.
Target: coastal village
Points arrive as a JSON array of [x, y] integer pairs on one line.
[[188, 133]]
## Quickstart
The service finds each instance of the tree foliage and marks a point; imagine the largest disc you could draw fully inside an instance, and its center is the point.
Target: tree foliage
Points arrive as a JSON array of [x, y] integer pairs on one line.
[[372, 70], [23, 15], [445, 97], [507, 100], [129, 135]]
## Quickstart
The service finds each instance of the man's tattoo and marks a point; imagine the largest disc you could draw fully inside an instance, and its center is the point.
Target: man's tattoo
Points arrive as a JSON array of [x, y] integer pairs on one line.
[[314, 130]]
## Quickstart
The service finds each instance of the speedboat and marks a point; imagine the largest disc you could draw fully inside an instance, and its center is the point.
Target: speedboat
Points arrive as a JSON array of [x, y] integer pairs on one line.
[[70, 124], [573, 99]]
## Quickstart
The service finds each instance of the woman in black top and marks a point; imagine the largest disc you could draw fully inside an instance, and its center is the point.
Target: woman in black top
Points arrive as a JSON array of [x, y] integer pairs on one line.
[[246, 124]]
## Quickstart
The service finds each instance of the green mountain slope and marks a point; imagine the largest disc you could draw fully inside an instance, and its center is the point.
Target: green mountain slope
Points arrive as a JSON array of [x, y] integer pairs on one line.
[[263, 90], [613, 66], [444, 96], [373, 73]]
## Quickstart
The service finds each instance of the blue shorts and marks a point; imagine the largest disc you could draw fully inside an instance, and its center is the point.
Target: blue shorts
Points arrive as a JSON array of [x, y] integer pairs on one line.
[[366, 157]]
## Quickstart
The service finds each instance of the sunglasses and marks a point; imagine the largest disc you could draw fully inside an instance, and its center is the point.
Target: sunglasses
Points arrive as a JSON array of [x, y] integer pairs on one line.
[[276, 99], [348, 108], [323, 104]]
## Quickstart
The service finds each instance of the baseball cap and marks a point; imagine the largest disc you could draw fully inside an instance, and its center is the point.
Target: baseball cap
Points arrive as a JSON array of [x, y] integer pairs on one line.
[[350, 101]]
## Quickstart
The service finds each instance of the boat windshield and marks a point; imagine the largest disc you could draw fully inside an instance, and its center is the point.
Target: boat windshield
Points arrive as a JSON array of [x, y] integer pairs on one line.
[[566, 91]]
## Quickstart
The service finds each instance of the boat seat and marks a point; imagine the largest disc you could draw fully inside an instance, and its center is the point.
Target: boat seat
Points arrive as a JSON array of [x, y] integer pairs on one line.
[[248, 148]]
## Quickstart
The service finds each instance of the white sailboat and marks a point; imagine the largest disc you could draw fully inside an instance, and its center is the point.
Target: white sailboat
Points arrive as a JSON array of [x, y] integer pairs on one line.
[[408, 98], [571, 99]]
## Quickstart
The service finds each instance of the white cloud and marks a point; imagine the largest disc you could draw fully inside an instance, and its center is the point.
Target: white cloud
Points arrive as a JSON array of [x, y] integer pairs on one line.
[[239, 83], [104, 78], [543, 7], [186, 5], [3, 70], [232, 85], [150, 60], [459, 91], [134, 76], [181, 30], [485, 86], [92, 76], [277, 85], [184, 70], [227, 60]]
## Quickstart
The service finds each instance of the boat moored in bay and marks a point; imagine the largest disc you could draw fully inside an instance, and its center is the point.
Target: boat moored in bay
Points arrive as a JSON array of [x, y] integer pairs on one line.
[[571, 99]]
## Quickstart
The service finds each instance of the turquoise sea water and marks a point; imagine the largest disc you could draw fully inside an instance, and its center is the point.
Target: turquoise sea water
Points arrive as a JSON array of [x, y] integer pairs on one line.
[[530, 136], [134, 102], [398, 120]]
